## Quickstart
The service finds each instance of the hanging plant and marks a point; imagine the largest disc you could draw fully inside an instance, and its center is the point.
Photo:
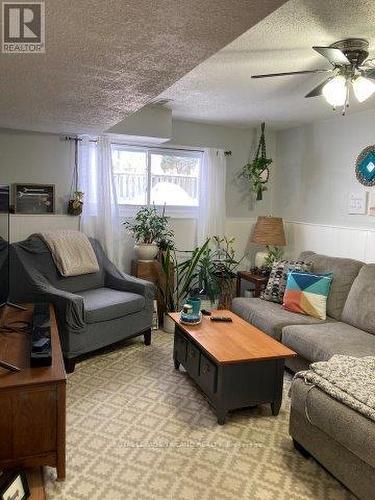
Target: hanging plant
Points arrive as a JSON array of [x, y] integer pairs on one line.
[[75, 203], [257, 172]]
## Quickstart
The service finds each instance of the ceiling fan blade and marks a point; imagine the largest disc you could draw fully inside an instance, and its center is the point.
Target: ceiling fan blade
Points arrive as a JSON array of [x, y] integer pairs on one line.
[[317, 91], [334, 56], [292, 73]]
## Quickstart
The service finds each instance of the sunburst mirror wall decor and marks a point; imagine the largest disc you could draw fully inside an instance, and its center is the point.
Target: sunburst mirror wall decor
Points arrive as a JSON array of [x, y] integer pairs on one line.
[[365, 166]]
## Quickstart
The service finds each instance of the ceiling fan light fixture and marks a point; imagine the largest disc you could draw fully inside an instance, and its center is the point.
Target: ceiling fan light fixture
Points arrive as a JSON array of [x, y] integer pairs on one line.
[[363, 88], [335, 91]]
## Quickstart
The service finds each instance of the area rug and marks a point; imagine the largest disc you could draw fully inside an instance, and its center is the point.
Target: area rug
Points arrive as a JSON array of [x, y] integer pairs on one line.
[[139, 429]]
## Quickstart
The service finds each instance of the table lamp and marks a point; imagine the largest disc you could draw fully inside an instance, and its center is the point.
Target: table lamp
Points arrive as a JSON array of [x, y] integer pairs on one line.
[[268, 231]]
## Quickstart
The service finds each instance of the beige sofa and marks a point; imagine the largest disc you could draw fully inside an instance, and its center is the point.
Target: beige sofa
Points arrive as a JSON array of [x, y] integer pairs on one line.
[[341, 439]]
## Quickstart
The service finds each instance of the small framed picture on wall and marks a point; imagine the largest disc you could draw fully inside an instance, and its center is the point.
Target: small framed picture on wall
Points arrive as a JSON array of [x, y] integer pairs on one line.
[[34, 198], [357, 203]]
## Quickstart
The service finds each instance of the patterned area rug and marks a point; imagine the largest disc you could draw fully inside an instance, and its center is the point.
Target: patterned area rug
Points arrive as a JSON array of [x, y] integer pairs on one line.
[[138, 429]]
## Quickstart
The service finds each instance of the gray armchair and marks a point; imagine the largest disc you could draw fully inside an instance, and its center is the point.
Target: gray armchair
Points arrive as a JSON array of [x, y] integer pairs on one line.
[[93, 310]]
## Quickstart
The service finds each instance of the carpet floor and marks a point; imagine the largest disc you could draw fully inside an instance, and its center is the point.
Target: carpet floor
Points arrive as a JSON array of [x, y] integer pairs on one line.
[[138, 429]]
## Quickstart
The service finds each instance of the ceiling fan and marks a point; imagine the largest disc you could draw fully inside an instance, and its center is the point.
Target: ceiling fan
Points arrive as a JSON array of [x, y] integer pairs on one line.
[[350, 68]]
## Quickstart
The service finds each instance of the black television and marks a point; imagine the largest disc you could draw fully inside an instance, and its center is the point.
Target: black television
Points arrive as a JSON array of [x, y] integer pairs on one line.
[[4, 243]]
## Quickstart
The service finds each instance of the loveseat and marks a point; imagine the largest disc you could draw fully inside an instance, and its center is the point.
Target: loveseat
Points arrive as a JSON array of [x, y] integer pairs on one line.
[[93, 310], [340, 438]]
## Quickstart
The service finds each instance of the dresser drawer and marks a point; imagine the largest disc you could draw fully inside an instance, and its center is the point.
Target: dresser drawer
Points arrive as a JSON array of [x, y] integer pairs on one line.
[[180, 345], [207, 375], [192, 360]]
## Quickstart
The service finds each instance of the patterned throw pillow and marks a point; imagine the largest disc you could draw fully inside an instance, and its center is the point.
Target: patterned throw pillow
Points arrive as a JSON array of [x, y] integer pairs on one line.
[[306, 293], [276, 285]]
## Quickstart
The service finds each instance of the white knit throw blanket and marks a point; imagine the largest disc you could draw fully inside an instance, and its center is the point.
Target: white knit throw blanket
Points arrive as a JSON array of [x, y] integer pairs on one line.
[[348, 379], [71, 251]]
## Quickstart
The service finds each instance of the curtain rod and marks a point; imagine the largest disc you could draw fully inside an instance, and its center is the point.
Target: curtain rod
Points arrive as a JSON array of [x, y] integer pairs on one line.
[[78, 139]]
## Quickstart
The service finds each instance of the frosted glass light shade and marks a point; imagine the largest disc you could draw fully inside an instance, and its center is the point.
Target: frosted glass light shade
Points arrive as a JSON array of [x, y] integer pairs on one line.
[[363, 88], [335, 91]]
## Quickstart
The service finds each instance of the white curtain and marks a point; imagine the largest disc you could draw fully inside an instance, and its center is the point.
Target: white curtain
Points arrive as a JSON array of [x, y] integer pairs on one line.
[[212, 213], [100, 217]]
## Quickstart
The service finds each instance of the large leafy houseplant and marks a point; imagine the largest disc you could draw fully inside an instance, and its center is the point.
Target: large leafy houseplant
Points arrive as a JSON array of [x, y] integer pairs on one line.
[[151, 231], [226, 266], [209, 271], [178, 276], [149, 226], [256, 172]]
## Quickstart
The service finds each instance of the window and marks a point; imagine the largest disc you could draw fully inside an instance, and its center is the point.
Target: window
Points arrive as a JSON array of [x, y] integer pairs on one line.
[[156, 176]]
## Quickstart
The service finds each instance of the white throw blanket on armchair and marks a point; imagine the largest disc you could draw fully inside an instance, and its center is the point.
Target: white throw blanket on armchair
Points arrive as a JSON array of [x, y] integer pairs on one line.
[[71, 251]]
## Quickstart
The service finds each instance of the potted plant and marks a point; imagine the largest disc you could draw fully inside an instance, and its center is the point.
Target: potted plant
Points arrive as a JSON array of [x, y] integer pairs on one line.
[[148, 228], [226, 266], [76, 203], [177, 280], [274, 255], [257, 172], [206, 285]]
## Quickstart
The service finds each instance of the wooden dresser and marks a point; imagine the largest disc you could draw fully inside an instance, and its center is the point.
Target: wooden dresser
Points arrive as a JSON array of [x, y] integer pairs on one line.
[[32, 401]]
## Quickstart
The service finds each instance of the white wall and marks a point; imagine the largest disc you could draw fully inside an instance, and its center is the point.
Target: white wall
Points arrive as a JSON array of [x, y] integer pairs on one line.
[[242, 143], [314, 178], [33, 157], [22, 225], [315, 173], [337, 241]]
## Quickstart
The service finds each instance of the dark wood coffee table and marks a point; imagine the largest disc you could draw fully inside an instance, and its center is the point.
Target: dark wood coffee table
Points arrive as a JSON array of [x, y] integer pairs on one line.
[[235, 364]]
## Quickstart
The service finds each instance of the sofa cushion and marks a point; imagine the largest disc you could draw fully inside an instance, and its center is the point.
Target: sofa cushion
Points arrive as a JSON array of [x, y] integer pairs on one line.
[[344, 273], [277, 281], [334, 419], [103, 304], [359, 308], [306, 293], [268, 316], [320, 342]]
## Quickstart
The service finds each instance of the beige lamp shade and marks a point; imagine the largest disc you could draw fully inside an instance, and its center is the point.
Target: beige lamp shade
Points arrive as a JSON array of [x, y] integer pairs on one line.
[[269, 231]]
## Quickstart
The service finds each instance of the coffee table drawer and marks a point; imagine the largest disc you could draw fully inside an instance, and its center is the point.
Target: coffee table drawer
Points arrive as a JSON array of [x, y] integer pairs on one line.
[[192, 360], [207, 375], [180, 345]]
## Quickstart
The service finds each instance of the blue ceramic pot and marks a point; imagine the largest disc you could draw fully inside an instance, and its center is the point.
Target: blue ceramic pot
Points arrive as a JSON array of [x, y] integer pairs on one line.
[[196, 305]]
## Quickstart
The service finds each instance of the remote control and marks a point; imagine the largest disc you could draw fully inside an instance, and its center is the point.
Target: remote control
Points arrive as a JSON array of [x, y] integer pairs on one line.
[[224, 319], [205, 312]]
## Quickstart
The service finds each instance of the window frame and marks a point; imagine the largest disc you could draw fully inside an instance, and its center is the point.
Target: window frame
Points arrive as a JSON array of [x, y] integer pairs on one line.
[[175, 211]]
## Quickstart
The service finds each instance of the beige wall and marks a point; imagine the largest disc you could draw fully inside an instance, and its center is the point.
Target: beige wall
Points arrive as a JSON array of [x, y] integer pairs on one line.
[[37, 158]]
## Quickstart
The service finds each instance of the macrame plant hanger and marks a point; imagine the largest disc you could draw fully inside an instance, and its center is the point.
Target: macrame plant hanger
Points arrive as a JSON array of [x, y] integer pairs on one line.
[[261, 153], [75, 201]]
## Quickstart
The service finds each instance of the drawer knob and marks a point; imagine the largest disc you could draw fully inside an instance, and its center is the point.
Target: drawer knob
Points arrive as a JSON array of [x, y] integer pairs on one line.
[[205, 369]]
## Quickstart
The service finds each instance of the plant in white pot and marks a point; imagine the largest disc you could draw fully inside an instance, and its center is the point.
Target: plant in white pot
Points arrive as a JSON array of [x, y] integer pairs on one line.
[[148, 227]]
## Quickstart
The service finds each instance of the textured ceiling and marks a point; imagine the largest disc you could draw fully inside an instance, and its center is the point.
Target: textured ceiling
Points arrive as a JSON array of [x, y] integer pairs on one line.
[[220, 89], [106, 59]]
